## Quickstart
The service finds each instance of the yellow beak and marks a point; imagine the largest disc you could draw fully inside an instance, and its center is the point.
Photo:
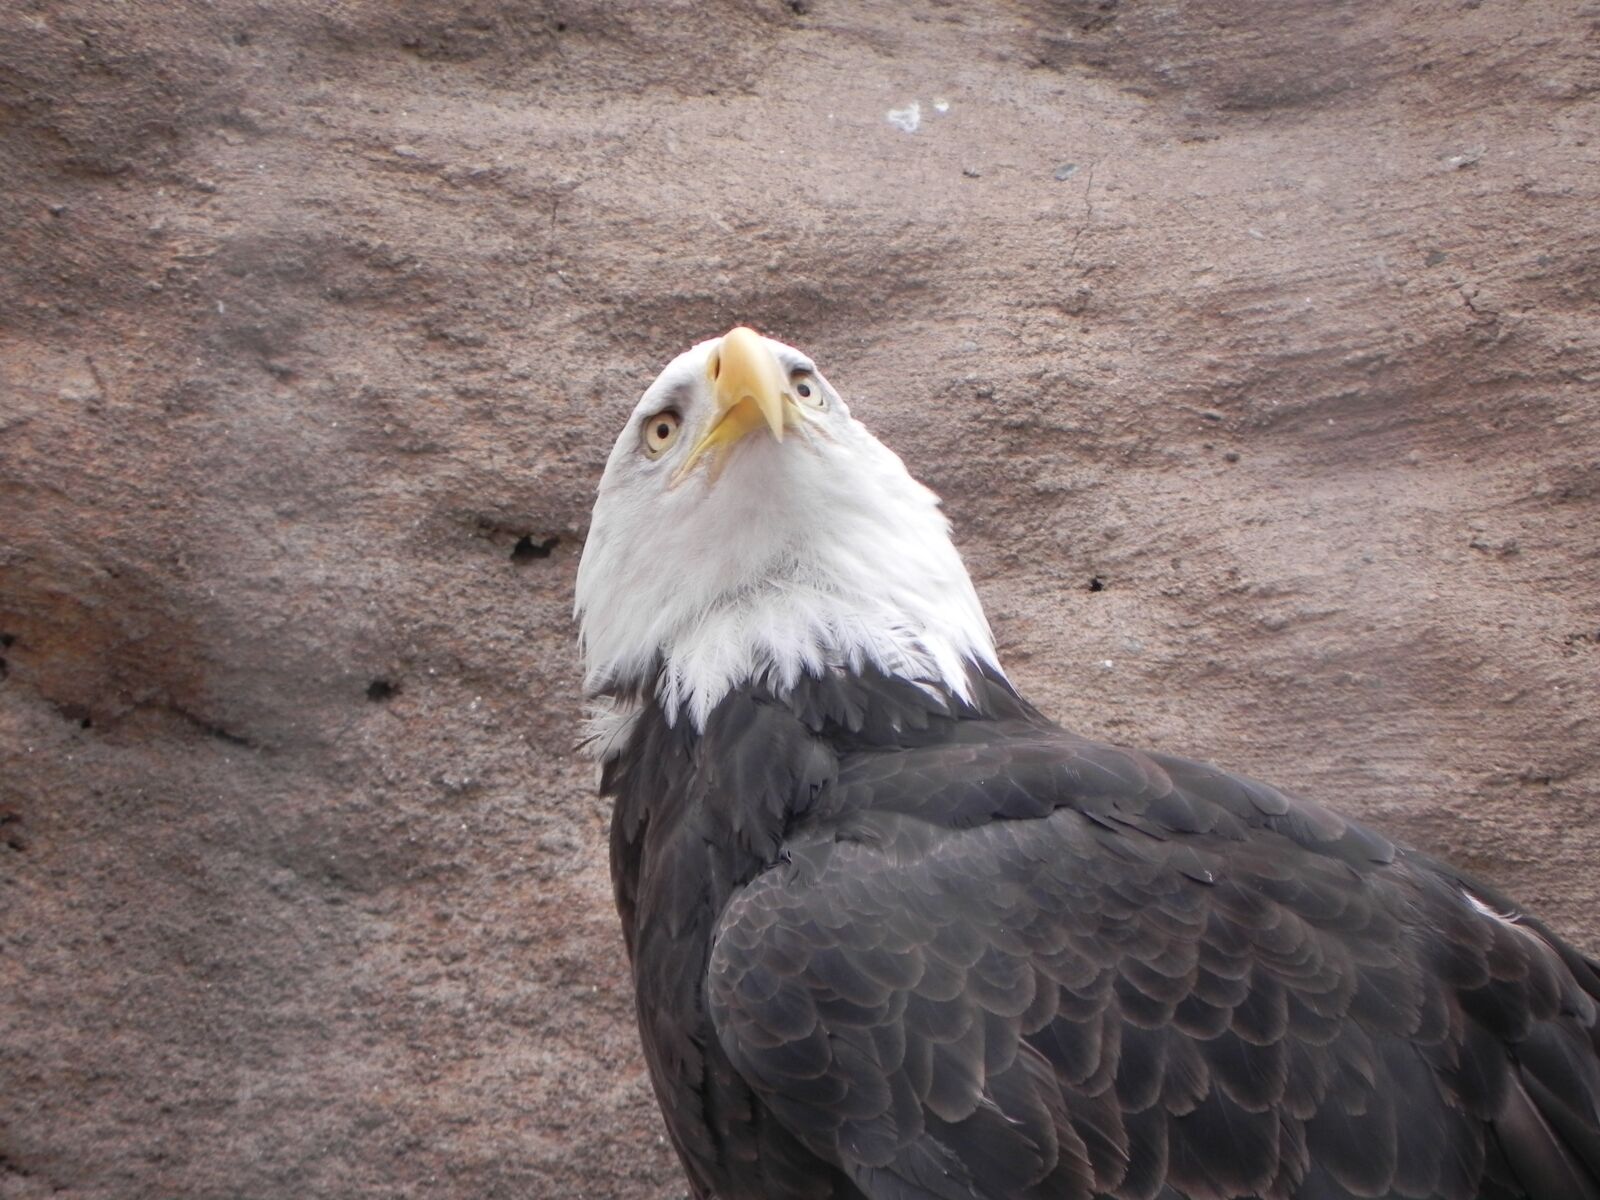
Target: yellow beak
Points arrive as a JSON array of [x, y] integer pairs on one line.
[[749, 387]]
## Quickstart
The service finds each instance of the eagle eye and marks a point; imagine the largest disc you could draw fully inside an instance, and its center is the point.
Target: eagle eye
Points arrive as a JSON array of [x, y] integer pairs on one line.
[[660, 431], [808, 389]]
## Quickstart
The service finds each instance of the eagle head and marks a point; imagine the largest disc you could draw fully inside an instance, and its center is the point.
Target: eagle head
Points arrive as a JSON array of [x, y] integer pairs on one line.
[[748, 529]]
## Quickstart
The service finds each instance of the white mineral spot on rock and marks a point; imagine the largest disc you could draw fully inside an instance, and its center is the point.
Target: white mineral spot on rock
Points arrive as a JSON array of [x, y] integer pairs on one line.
[[1466, 158], [941, 106], [908, 119]]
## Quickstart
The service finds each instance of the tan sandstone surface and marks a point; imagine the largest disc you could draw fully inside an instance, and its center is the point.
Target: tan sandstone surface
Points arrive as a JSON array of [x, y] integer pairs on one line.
[[1255, 349]]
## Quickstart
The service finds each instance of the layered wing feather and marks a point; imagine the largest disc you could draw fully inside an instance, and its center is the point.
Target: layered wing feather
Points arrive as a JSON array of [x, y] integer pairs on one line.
[[1016, 964]]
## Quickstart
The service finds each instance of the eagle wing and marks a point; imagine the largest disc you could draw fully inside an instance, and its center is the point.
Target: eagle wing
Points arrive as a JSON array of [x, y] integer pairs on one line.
[[1033, 966]]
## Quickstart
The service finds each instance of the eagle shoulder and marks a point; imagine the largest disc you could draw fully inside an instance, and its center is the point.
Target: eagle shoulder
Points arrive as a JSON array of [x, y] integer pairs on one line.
[[1018, 963]]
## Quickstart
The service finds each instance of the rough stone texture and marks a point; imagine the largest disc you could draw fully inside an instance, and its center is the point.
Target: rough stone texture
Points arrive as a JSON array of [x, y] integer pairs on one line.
[[1257, 361]]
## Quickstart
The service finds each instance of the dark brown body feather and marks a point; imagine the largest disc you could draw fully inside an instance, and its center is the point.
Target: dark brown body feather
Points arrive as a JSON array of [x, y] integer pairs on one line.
[[888, 945]]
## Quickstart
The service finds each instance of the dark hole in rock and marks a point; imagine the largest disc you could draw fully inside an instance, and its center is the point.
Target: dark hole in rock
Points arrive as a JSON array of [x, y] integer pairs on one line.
[[7, 640], [76, 712], [526, 549], [380, 690], [1096, 584]]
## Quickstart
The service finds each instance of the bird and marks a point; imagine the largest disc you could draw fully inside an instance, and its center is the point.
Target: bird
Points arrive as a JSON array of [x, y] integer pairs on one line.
[[894, 934]]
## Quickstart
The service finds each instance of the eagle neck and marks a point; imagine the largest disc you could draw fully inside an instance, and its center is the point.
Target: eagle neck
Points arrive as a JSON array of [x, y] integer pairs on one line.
[[699, 810]]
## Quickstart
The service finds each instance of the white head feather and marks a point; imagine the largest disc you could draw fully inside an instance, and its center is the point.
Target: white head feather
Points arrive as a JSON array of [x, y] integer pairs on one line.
[[814, 553]]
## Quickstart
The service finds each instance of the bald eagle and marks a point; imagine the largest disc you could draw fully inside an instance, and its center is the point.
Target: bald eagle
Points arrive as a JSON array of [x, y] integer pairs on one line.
[[896, 935]]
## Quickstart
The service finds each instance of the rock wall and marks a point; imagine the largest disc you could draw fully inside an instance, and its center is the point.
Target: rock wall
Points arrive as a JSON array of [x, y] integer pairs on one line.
[[1256, 357]]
